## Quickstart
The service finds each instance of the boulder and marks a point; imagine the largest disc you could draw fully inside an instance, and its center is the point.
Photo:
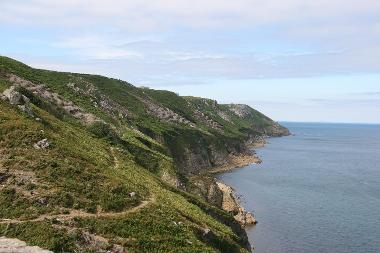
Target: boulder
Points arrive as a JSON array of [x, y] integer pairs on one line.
[[205, 231], [250, 219], [15, 245], [14, 97], [42, 144]]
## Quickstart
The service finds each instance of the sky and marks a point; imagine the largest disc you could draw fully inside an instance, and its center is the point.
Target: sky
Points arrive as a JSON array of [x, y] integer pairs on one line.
[[294, 60]]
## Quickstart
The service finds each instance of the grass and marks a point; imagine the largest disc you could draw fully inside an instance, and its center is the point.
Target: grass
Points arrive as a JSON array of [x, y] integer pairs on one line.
[[83, 175], [94, 167]]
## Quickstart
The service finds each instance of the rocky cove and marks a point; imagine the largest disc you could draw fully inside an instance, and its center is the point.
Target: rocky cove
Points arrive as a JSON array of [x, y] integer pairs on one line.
[[223, 195]]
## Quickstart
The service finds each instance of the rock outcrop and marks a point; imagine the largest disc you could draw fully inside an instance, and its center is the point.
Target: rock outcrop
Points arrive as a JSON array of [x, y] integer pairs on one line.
[[9, 245], [42, 91], [231, 205], [42, 144], [16, 98], [207, 188]]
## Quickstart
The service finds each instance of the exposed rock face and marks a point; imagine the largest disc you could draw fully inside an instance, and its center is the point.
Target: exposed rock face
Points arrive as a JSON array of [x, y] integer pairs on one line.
[[8, 245], [231, 205], [164, 113], [16, 98], [99, 99], [42, 91], [276, 130], [205, 119], [207, 188], [270, 128], [240, 110], [201, 154]]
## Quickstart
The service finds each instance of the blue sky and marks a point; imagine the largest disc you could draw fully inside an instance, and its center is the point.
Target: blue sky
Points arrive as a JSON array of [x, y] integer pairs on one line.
[[294, 60]]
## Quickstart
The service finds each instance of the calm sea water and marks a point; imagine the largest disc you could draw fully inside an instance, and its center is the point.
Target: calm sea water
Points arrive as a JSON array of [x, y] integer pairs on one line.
[[316, 191]]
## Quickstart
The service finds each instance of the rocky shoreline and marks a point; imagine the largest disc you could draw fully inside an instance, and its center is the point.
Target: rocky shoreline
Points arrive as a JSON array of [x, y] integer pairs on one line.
[[231, 204], [222, 195], [235, 162]]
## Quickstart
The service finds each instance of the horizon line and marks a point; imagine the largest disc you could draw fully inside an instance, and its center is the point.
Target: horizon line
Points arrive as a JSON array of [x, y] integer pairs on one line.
[[330, 122]]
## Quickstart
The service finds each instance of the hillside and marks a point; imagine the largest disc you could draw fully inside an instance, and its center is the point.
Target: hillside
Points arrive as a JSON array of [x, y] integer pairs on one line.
[[90, 164]]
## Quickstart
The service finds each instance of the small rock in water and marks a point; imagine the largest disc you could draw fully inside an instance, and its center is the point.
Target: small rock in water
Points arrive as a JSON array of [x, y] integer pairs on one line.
[[42, 144], [250, 220]]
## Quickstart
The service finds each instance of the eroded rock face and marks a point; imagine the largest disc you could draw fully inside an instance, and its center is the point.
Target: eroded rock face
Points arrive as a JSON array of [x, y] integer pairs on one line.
[[276, 130], [240, 110], [42, 91], [8, 245], [231, 205], [98, 99], [16, 98], [207, 188], [164, 113]]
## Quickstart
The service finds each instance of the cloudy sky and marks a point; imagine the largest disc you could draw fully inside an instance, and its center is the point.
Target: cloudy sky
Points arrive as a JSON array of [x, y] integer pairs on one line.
[[295, 60]]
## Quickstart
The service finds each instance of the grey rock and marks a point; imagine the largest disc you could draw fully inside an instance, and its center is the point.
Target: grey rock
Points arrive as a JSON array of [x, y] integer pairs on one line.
[[26, 109], [42, 144], [17, 246], [206, 231], [14, 97]]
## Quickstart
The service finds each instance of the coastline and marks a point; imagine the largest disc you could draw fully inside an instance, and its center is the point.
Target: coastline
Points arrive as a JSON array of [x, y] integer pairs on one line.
[[231, 202], [224, 196], [235, 162]]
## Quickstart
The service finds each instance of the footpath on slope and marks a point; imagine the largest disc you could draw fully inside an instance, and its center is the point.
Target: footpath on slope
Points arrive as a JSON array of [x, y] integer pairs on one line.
[[73, 213]]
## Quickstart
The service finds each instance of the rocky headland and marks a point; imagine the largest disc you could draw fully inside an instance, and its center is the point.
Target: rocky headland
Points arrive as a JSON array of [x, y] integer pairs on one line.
[[78, 152]]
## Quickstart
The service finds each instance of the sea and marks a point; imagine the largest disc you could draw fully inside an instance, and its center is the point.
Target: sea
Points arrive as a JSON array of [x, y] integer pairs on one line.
[[316, 191]]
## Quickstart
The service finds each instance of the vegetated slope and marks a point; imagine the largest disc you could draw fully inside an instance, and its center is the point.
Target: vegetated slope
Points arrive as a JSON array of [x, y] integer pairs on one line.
[[90, 164]]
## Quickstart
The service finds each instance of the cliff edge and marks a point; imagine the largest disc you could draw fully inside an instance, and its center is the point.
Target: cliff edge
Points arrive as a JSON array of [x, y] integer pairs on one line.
[[86, 161]]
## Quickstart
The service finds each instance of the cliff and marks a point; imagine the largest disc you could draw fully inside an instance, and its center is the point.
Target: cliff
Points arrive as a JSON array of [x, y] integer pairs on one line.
[[86, 161]]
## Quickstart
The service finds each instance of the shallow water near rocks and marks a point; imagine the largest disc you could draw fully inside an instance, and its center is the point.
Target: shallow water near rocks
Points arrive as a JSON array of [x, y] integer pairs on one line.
[[316, 191]]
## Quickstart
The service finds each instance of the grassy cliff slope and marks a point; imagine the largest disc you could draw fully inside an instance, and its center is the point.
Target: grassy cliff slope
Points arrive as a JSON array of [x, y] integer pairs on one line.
[[90, 164]]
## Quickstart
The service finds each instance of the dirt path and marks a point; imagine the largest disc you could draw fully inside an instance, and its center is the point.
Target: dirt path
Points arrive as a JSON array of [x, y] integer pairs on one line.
[[81, 214]]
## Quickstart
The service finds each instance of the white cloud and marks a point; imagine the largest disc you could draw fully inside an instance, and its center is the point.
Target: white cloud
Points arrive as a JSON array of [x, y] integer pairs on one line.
[[180, 41], [146, 14], [97, 48]]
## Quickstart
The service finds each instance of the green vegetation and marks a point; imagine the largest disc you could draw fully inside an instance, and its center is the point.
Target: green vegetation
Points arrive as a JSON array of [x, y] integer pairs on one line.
[[122, 166]]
